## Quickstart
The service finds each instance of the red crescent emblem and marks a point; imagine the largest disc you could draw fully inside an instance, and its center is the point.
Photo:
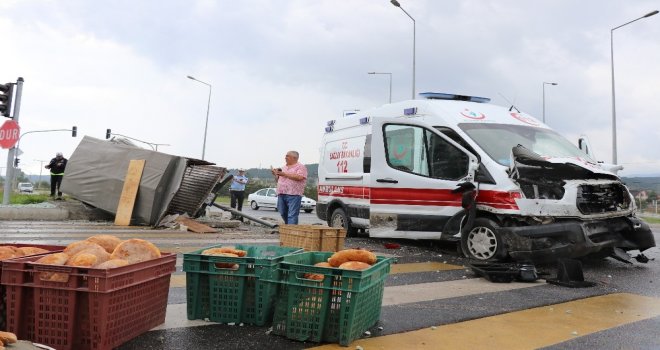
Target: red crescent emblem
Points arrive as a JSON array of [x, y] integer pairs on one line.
[[472, 115], [525, 119]]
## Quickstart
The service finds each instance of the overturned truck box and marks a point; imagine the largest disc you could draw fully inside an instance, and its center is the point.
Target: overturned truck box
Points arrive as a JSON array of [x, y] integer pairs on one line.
[[169, 184]]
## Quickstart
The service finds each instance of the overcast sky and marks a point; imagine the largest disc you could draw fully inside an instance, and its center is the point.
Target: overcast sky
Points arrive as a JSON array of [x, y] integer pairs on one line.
[[281, 69]]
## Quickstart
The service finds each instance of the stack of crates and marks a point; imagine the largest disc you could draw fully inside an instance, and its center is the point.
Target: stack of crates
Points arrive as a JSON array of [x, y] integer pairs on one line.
[[233, 289], [340, 308]]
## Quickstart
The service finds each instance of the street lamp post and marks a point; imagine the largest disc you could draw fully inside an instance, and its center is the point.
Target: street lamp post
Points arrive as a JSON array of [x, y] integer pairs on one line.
[[614, 160], [396, 3], [208, 107], [41, 167], [390, 74], [544, 84]]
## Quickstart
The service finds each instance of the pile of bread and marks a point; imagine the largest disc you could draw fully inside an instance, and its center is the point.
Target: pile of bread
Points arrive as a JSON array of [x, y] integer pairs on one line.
[[101, 252], [348, 259], [228, 251]]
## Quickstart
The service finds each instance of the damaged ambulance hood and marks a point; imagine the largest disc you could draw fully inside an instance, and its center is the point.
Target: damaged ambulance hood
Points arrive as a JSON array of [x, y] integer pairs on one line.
[[525, 163]]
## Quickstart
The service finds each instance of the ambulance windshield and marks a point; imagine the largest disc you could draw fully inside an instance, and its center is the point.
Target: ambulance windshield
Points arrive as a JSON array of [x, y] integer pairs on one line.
[[498, 139]]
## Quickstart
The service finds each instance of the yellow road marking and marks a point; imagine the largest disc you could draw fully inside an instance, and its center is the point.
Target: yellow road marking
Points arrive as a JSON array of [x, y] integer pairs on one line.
[[179, 281], [423, 267], [527, 329]]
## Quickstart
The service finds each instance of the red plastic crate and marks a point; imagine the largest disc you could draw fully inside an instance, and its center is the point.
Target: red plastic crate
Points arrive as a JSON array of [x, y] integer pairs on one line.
[[94, 309], [3, 295]]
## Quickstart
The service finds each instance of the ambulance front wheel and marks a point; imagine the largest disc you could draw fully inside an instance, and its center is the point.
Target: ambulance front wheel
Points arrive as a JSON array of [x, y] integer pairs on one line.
[[340, 219], [483, 242]]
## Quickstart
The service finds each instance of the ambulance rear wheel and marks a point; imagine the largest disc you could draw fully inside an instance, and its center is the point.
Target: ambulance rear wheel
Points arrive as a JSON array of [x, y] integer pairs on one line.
[[340, 219], [483, 241]]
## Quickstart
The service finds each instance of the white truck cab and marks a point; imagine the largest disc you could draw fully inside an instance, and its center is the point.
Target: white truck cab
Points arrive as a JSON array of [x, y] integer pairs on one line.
[[400, 170]]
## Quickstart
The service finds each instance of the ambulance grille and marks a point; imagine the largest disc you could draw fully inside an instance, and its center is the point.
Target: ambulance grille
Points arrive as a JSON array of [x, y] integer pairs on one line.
[[602, 198]]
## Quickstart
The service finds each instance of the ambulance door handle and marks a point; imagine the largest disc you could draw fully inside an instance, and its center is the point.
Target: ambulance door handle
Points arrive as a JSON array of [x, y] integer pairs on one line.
[[388, 180]]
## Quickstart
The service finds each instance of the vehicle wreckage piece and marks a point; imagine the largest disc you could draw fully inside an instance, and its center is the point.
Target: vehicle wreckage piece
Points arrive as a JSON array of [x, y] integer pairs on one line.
[[569, 274], [169, 184], [504, 272]]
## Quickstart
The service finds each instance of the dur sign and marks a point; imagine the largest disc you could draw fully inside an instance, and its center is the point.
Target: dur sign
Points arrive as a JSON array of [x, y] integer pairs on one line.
[[9, 134]]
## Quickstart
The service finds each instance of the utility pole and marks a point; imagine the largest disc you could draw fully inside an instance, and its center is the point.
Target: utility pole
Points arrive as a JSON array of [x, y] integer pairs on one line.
[[9, 179]]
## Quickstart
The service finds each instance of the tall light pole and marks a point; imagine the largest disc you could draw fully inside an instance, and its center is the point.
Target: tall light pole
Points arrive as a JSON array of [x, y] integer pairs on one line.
[[544, 84], [208, 107], [396, 3], [390, 74], [41, 167], [614, 160]]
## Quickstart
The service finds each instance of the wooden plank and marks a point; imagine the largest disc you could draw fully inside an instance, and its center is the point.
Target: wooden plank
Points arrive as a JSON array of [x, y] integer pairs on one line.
[[129, 192], [195, 226]]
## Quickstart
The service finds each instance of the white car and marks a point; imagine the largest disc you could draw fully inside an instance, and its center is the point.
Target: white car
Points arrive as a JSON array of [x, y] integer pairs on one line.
[[267, 198], [25, 187]]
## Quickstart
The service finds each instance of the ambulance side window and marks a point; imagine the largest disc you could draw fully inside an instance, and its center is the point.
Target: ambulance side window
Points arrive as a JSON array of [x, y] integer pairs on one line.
[[417, 150]]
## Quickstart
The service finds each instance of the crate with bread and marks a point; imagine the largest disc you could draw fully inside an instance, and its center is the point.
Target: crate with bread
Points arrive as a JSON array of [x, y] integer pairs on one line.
[[18, 250], [329, 297], [227, 283], [95, 294]]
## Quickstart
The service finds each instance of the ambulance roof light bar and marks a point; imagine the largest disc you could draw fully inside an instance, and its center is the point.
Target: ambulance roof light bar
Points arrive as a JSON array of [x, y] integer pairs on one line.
[[454, 97]]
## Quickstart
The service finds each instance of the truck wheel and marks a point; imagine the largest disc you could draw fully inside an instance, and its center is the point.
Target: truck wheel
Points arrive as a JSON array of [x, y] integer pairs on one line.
[[340, 219], [483, 242], [254, 205], [308, 210]]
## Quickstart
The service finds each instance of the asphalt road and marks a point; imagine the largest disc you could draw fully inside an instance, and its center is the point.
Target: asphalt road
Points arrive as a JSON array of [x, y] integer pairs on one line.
[[430, 299]]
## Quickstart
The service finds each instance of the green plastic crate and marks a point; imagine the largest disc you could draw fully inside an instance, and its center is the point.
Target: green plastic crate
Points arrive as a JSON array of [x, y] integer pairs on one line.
[[233, 295], [338, 309]]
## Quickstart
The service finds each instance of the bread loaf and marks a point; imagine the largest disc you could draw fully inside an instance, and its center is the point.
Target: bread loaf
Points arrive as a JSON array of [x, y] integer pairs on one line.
[[345, 255], [354, 265], [78, 246], [111, 264], [317, 276], [31, 250], [135, 250], [53, 259], [108, 242], [231, 250], [82, 259], [8, 338]]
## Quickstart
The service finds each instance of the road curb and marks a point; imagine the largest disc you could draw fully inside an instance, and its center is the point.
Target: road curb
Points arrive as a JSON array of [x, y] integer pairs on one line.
[[47, 214]]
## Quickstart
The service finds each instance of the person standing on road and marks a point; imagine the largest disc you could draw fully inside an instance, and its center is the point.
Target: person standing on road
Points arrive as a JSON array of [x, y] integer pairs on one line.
[[291, 179], [56, 166], [237, 190]]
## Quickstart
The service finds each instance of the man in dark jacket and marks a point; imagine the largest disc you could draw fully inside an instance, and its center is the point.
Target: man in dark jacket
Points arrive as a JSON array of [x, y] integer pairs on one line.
[[56, 167]]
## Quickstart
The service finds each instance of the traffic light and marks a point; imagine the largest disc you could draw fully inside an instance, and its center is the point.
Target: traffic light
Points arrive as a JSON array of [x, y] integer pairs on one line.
[[74, 131], [6, 93], [16, 161], [108, 132]]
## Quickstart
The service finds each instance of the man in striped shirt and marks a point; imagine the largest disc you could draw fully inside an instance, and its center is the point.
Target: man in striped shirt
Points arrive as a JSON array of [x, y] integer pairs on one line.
[[291, 179]]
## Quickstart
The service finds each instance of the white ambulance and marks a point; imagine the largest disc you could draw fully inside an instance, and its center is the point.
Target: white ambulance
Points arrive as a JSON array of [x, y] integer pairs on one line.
[[525, 191]]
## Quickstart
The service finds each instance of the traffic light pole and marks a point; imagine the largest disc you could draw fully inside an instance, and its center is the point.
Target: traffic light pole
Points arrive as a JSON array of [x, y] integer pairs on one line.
[[9, 178]]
